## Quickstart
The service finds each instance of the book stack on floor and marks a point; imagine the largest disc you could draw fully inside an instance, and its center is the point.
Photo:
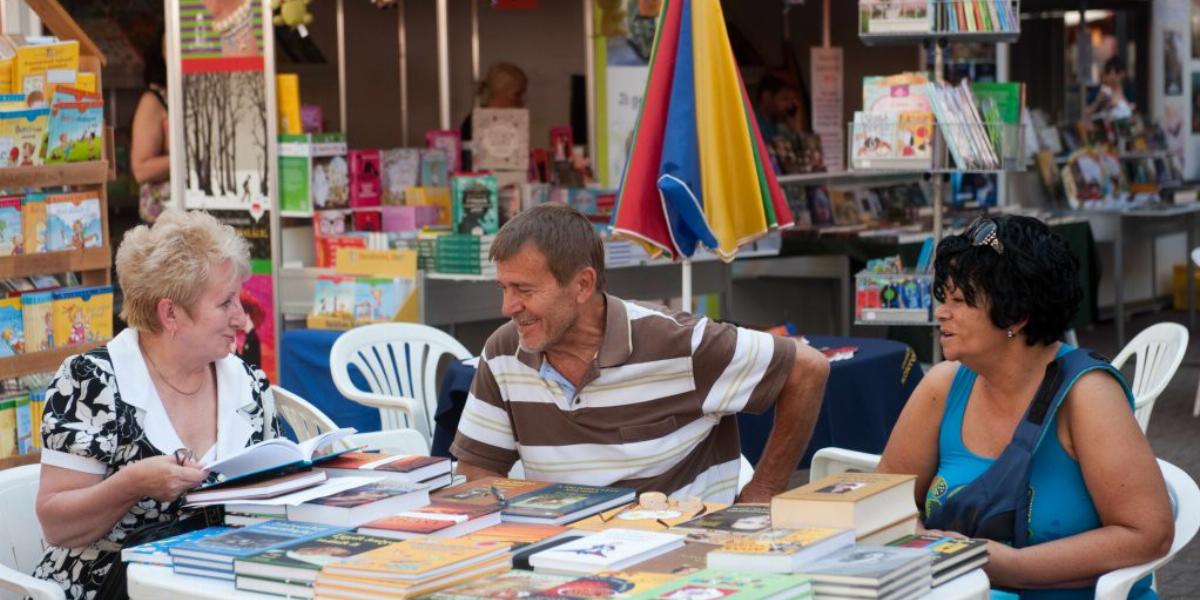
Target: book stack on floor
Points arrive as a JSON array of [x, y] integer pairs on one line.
[[291, 570], [880, 572], [411, 568], [213, 556], [609, 550], [779, 550], [878, 507], [432, 472], [714, 583], [952, 557]]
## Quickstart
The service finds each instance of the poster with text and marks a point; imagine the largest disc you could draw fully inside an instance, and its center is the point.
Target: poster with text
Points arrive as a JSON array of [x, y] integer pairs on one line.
[[827, 114]]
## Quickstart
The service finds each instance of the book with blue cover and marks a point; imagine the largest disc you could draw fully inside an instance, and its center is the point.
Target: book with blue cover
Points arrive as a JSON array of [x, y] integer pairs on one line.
[[159, 552], [564, 503], [248, 541]]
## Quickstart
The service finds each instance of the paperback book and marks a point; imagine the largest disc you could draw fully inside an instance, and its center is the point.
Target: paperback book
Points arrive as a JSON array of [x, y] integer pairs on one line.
[[609, 550], [301, 562], [733, 585]]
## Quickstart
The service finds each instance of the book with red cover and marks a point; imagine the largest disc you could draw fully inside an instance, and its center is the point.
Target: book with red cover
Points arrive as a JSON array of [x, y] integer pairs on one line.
[[393, 466], [436, 519]]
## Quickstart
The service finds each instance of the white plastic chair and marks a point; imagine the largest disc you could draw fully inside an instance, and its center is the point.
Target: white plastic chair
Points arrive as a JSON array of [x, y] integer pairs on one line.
[[1114, 585], [1159, 349], [745, 472], [399, 362], [307, 421], [21, 542]]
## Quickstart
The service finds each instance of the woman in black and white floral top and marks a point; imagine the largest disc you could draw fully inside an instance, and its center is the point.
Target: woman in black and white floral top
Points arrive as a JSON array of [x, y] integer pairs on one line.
[[115, 416]]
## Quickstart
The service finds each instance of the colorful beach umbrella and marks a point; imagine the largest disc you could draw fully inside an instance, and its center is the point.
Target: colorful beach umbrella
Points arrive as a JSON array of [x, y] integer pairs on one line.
[[698, 172]]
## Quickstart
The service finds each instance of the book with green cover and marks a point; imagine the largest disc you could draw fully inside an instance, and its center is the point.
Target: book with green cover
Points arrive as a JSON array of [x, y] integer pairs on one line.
[[1009, 97], [730, 585], [302, 561], [564, 502]]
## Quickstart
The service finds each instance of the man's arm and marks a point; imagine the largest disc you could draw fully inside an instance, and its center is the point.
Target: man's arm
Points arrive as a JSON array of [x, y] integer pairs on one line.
[[472, 472], [795, 416]]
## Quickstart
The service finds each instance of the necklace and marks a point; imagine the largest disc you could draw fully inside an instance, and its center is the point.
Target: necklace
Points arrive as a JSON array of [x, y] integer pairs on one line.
[[164, 379]]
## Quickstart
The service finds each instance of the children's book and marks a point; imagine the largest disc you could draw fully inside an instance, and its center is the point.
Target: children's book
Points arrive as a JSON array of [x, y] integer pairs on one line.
[[914, 136], [73, 222], [39, 67], [224, 548], [897, 16], [609, 550], [779, 550], [12, 236], [376, 299], [732, 585], [334, 295], [22, 136], [38, 317], [416, 560], [330, 187], [76, 132], [450, 143], [12, 327], [401, 170], [435, 168], [82, 315], [159, 552], [301, 561], [563, 503], [437, 197], [501, 139], [894, 94], [275, 456], [33, 222], [873, 139]]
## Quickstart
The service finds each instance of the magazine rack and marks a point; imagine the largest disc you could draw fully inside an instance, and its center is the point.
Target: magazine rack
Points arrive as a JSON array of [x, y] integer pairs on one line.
[[942, 22], [948, 147], [893, 22]]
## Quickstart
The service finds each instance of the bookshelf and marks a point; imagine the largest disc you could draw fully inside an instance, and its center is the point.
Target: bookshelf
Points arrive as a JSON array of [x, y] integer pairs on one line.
[[93, 264], [942, 27]]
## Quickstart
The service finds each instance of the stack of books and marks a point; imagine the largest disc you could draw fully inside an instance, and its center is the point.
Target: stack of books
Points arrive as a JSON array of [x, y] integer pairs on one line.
[[779, 550], [878, 507], [634, 516], [973, 138], [291, 570], [609, 550], [437, 519], [513, 584], [213, 556], [713, 583], [952, 557], [432, 472], [535, 501], [159, 552], [411, 568], [720, 526], [369, 501], [882, 572], [977, 16]]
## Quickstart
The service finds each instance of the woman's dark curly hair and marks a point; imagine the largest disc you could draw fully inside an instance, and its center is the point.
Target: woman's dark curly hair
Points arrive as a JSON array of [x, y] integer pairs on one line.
[[1035, 280]]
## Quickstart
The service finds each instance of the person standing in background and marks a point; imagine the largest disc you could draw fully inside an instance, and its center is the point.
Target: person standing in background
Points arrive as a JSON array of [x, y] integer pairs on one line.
[[149, 158]]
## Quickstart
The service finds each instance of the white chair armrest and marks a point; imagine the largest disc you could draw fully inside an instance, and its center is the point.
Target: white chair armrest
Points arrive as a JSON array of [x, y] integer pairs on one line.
[[406, 405], [28, 585], [398, 441], [1115, 585], [831, 461]]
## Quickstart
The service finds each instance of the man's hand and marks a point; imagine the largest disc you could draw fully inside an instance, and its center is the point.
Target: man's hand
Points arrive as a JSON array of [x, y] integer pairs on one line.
[[756, 493], [472, 472]]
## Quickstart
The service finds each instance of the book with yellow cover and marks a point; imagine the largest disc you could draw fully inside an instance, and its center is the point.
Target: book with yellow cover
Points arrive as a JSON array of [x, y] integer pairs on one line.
[[329, 585], [607, 585], [779, 550], [633, 516], [82, 315], [863, 502], [432, 196], [417, 559], [38, 65]]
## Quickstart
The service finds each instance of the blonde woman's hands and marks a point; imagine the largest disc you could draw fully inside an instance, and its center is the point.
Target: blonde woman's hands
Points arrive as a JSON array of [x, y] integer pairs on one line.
[[164, 479]]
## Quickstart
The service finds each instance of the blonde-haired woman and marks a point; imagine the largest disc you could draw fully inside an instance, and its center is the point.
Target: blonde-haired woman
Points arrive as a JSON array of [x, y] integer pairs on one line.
[[122, 420], [504, 86]]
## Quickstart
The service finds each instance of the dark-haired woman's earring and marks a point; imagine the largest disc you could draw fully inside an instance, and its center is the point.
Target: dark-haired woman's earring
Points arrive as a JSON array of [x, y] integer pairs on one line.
[[1010, 333]]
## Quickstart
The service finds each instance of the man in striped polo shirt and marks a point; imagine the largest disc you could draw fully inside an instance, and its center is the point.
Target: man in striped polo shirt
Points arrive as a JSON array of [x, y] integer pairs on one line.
[[584, 387]]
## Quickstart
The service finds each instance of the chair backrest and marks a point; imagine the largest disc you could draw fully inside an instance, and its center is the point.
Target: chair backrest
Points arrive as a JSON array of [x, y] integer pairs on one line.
[[21, 541], [306, 420], [399, 362], [1158, 350]]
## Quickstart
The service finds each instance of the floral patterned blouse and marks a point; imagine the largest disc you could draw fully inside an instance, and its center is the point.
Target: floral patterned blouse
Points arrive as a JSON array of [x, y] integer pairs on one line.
[[102, 414]]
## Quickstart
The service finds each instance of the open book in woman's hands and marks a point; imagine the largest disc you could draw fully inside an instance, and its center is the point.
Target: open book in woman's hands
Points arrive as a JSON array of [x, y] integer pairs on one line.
[[274, 457]]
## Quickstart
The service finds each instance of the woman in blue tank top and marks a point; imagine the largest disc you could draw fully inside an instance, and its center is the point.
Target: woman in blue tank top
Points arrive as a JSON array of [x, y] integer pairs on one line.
[[1097, 501]]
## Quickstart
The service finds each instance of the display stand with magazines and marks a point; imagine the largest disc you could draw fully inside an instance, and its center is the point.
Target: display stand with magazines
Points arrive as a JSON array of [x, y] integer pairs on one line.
[[911, 123]]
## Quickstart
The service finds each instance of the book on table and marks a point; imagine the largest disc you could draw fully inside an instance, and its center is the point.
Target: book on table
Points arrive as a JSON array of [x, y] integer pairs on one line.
[[879, 570], [634, 516], [274, 457], [720, 526], [950, 554], [864, 502], [436, 519], [780, 550], [159, 552], [732, 585], [609, 550], [300, 562], [688, 558], [416, 560], [256, 489], [224, 548], [493, 492], [361, 504], [520, 535], [561, 503], [513, 584], [354, 588], [905, 526], [411, 469], [623, 584]]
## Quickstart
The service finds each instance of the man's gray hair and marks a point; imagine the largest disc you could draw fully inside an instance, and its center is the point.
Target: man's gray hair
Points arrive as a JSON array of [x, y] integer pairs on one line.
[[562, 234]]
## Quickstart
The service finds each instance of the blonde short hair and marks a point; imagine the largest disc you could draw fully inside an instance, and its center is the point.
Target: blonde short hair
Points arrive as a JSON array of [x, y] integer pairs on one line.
[[172, 259]]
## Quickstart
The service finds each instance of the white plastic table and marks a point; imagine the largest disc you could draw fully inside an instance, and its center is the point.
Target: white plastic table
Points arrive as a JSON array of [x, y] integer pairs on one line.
[[153, 582]]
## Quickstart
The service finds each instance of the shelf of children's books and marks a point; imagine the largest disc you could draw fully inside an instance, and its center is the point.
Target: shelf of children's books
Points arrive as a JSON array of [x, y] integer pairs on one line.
[[24, 265], [19, 461], [80, 173], [975, 37], [954, 21], [848, 175], [44, 361]]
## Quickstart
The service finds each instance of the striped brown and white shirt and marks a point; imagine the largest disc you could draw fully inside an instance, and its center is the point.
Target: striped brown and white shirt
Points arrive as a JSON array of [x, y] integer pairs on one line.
[[655, 412]]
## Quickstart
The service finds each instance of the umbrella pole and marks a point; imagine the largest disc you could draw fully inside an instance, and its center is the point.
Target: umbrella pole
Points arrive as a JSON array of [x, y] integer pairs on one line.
[[686, 269]]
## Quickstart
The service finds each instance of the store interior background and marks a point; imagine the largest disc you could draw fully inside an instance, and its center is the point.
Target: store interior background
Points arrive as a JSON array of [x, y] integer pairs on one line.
[[547, 42]]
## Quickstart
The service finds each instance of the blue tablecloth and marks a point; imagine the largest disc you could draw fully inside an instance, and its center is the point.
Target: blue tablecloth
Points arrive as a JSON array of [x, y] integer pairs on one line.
[[863, 398]]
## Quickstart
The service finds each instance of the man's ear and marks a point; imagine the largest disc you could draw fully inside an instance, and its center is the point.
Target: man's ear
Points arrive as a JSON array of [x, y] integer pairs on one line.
[[585, 281]]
